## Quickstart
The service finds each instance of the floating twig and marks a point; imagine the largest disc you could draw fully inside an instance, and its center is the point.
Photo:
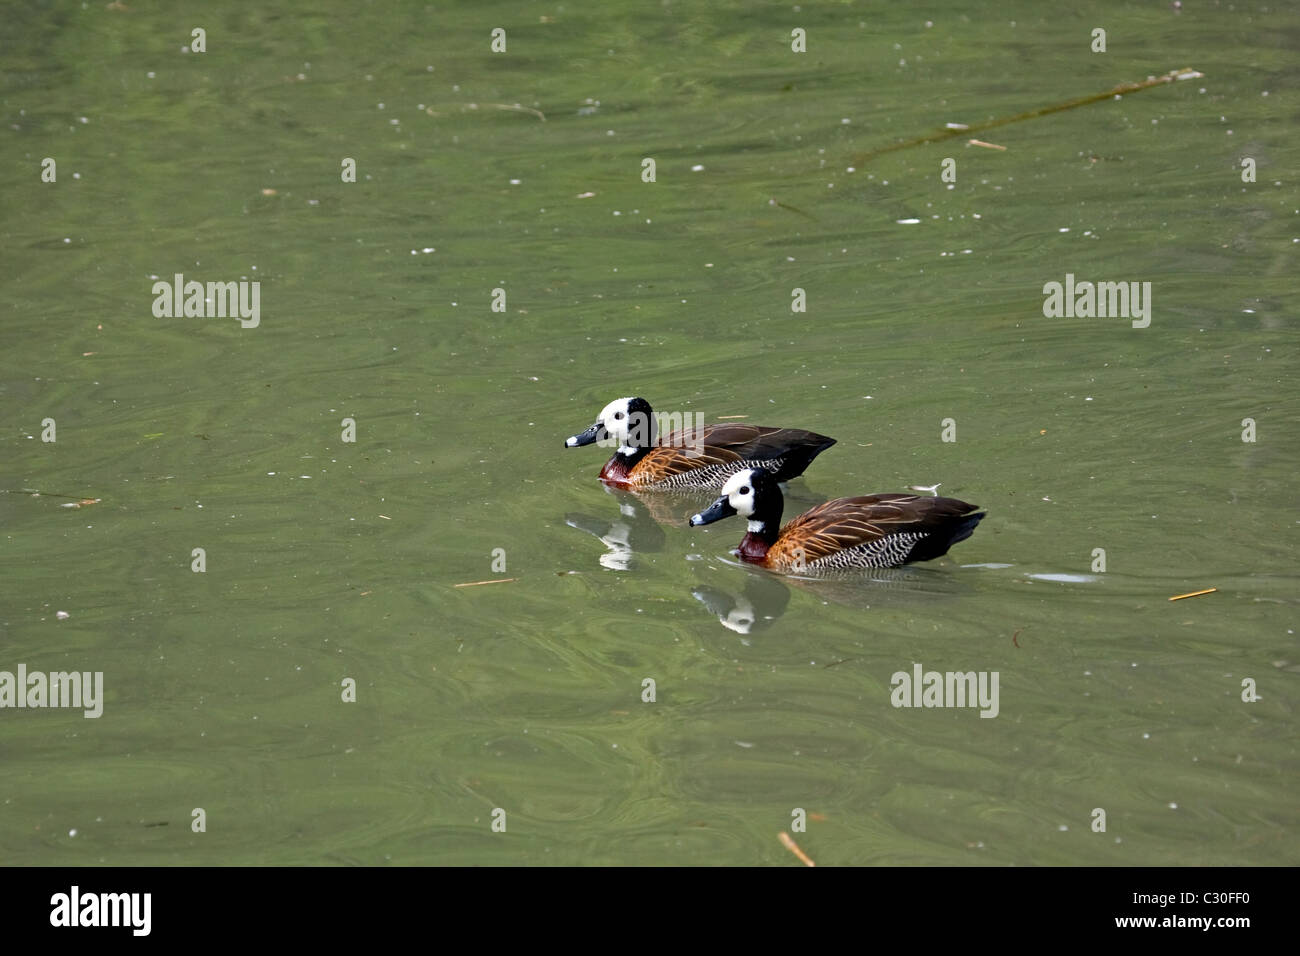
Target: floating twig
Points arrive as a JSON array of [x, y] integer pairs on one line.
[[788, 842], [474, 584], [35, 493], [958, 129], [1179, 597], [513, 108], [777, 202], [980, 142], [77, 500]]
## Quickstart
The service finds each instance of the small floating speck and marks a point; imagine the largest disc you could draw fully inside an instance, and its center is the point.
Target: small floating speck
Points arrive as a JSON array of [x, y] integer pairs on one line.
[[955, 126], [63, 616], [907, 222], [697, 168]]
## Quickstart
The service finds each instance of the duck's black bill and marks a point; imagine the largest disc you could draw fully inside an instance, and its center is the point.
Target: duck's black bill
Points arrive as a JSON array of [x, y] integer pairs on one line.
[[715, 512], [588, 437]]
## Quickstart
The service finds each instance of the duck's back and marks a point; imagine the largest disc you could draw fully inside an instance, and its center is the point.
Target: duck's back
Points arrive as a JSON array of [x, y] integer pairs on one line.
[[873, 531], [785, 452]]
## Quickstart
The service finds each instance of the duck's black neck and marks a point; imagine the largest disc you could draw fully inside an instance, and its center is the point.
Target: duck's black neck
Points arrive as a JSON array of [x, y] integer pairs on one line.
[[765, 522], [628, 461]]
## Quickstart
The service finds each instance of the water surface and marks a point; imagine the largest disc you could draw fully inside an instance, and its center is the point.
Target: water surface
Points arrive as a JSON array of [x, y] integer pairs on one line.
[[329, 560]]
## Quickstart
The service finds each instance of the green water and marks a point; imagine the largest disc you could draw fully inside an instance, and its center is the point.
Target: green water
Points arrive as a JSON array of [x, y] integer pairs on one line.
[[328, 560]]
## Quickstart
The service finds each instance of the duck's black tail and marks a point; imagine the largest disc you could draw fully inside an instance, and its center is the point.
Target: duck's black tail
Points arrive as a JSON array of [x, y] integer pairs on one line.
[[953, 524], [800, 453]]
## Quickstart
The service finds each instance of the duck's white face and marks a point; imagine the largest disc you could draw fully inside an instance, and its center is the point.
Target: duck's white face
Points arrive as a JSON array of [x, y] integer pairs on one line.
[[631, 430], [739, 492]]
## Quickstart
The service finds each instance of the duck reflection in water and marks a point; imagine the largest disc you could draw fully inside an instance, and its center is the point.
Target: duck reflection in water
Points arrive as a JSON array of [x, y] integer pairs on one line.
[[755, 608], [765, 595], [637, 529]]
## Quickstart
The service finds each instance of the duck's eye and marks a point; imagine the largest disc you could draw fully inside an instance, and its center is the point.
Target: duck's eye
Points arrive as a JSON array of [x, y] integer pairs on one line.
[[744, 491], [618, 416]]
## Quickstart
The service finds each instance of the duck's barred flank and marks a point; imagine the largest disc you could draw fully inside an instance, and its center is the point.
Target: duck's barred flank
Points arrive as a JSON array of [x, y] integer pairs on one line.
[[887, 552], [711, 476]]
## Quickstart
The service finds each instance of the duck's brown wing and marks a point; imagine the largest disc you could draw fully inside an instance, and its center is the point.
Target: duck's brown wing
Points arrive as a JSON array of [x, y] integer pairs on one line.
[[785, 451], [906, 527], [664, 464]]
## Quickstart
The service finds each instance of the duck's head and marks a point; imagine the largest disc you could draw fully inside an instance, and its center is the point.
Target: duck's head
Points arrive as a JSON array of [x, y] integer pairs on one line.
[[628, 421], [753, 494]]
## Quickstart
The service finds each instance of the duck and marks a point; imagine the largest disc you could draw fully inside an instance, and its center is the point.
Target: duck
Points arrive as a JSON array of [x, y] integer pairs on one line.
[[869, 531], [693, 457]]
